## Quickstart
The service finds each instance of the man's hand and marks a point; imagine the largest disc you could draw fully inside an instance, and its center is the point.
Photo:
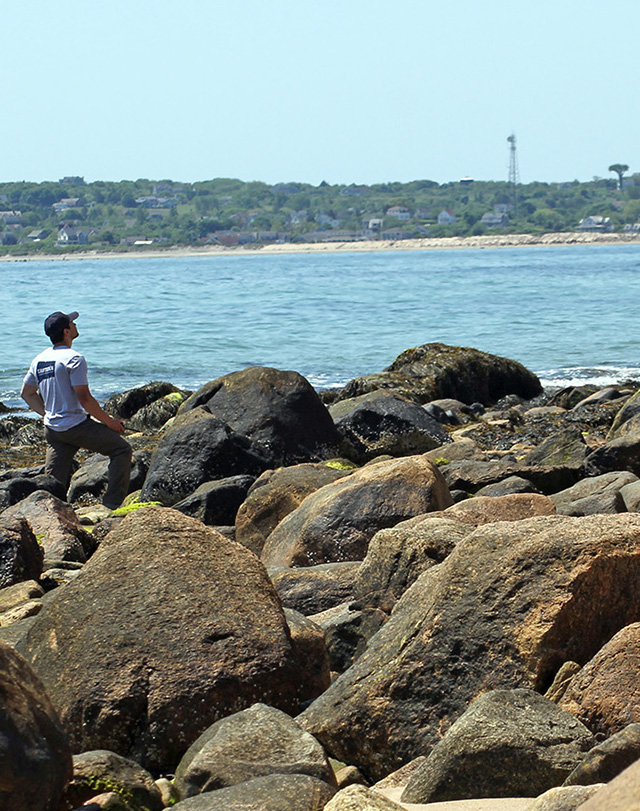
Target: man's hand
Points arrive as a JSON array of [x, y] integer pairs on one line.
[[116, 425]]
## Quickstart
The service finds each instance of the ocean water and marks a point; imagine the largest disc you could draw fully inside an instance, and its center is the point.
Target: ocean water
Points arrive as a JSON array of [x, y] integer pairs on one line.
[[570, 314]]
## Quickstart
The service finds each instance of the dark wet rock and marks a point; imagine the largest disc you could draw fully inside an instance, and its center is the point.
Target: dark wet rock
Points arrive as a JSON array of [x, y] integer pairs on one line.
[[381, 422], [507, 487], [217, 502], [14, 489], [274, 792], [91, 478], [347, 631], [35, 756], [275, 494], [20, 555], [311, 655], [252, 743], [509, 605], [125, 405], [433, 371], [622, 453], [571, 396], [337, 522], [312, 589], [606, 760], [196, 449], [566, 449], [604, 396], [56, 527], [605, 694], [396, 557], [101, 771], [509, 743], [278, 410], [594, 494], [169, 627], [156, 414], [471, 475]]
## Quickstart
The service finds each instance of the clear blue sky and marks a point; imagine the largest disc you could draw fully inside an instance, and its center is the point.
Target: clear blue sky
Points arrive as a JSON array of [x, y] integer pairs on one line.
[[347, 91]]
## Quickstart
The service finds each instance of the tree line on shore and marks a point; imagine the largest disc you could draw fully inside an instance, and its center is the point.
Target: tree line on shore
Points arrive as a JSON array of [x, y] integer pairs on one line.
[[71, 214]]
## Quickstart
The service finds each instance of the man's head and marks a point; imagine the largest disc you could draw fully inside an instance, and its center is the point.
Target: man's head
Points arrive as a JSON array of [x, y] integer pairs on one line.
[[56, 323]]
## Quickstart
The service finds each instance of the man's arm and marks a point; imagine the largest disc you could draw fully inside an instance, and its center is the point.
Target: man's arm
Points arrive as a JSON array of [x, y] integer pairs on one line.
[[31, 397], [92, 407]]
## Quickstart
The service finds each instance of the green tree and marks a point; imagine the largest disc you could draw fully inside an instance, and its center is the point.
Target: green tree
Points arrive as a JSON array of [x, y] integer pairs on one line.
[[619, 169]]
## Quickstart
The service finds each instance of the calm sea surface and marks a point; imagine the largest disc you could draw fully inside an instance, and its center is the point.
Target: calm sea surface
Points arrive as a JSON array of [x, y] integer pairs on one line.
[[568, 313]]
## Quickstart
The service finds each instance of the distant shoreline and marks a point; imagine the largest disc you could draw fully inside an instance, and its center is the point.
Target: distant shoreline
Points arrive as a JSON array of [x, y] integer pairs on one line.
[[484, 241]]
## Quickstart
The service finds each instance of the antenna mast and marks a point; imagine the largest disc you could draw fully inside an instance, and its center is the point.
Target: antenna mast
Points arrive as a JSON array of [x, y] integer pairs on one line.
[[514, 175]]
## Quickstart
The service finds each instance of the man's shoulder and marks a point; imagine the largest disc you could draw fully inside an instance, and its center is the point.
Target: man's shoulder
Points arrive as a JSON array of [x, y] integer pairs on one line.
[[61, 354]]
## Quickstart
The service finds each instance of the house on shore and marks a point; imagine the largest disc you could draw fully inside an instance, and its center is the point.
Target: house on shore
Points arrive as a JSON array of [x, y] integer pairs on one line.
[[494, 220], [595, 223]]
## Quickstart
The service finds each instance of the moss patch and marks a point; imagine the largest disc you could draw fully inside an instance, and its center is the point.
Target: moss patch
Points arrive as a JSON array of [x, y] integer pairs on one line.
[[136, 505]]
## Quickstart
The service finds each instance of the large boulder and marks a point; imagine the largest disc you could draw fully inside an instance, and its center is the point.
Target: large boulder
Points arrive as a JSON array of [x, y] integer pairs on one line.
[[361, 798], [128, 403], [337, 522], [279, 410], [196, 449], [275, 494], [311, 589], [605, 694], [382, 423], [252, 743], [398, 556], [509, 743], [510, 604], [20, 554], [273, 792], [435, 371], [168, 628], [56, 526], [35, 756]]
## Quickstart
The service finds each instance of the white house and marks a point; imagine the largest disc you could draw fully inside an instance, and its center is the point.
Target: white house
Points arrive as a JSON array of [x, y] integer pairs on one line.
[[399, 212], [446, 217]]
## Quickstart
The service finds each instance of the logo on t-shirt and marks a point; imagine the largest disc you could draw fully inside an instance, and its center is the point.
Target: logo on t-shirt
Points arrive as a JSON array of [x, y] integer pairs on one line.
[[45, 369]]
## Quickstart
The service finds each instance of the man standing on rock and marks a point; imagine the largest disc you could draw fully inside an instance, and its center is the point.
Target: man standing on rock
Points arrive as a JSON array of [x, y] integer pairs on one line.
[[56, 387]]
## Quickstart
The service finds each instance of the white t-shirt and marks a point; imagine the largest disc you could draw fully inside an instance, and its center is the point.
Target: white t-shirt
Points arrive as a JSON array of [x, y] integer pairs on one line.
[[54, 373]]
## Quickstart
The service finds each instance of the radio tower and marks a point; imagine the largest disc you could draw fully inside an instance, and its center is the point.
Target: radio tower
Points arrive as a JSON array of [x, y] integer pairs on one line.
[[514, 177]]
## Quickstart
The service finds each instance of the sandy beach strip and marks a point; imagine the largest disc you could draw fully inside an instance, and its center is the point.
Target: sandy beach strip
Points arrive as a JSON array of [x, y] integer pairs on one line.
[[484, 241]]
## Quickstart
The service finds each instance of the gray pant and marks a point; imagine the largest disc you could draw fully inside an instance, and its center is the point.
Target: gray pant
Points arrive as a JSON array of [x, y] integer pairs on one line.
[[93, 436]]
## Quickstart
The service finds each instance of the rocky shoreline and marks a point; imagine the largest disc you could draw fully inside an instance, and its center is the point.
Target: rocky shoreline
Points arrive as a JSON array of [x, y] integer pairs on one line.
[[418, 590], [484, 241]]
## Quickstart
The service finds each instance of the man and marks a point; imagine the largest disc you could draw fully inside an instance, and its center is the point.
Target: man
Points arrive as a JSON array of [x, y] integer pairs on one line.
[[56, 387]]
